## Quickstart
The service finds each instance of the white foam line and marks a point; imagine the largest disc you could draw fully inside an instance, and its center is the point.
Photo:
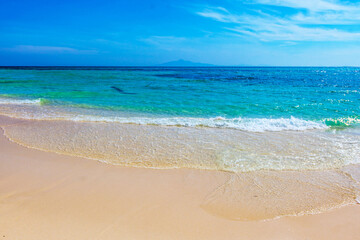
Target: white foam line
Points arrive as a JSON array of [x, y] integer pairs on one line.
[[20, 101], [246, 124]]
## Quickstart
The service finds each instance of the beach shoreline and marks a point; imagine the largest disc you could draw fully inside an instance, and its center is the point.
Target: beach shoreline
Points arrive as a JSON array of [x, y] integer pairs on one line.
[[51, 196]]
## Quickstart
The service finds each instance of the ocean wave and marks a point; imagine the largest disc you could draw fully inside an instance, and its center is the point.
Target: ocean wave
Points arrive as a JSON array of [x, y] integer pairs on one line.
[[245, 124], [342, 122], [76, 113], [38, 101]]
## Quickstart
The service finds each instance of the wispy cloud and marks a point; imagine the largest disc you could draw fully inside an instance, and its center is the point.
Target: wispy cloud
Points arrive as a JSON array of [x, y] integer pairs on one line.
[[273, 32], [219, 14], [47, 50], [310, 5], [320, 11], [312, 20]]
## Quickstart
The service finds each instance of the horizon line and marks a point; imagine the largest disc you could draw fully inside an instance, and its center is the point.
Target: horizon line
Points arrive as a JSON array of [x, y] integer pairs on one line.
[[159, 66]]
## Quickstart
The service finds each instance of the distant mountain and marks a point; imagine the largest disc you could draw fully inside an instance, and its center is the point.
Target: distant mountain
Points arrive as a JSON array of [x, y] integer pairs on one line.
[[183, 63]]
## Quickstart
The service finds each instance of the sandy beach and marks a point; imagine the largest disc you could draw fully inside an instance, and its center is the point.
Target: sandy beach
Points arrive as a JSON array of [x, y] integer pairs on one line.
[[180, 120], [50, 196]]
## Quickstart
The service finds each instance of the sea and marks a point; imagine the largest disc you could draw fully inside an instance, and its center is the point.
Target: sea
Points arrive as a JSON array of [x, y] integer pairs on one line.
[[236, 119]]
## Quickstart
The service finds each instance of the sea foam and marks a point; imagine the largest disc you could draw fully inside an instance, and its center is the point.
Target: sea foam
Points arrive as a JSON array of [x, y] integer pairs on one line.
[[39, 109], [245, 124], [21, 101]]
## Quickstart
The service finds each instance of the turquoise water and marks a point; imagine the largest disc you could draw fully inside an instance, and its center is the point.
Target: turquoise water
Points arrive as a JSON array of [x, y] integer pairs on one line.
[[289, 118], [235, 97]]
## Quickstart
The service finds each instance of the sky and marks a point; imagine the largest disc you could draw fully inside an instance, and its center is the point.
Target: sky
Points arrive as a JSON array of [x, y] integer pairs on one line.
[[151, 32]]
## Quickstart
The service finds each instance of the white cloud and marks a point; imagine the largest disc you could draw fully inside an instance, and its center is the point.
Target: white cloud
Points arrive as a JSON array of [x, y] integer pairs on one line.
[[322, 20], [219, 14], [329, 18], [276, 32], [310, 5], [46, 49]]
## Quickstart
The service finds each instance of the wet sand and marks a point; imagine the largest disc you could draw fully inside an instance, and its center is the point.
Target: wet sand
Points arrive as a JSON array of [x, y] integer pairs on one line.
[[50, 196]]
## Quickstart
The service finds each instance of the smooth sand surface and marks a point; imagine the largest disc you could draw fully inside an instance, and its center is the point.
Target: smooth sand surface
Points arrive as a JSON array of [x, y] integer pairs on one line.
[[49, 196]]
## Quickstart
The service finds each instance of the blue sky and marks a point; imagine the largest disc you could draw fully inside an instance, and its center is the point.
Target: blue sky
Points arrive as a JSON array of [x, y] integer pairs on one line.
[[145, 32]]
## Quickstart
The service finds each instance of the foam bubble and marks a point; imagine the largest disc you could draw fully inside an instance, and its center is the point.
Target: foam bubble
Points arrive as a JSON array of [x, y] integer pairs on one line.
[[342, 122], [245, 124], [20, 101], [203, 148], [40, 109]]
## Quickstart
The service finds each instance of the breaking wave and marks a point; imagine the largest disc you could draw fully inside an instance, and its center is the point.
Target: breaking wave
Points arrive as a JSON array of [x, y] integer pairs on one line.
[[44, 109]]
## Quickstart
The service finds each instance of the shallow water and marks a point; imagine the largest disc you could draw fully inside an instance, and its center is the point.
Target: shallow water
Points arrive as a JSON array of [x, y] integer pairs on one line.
[[185, 147]]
